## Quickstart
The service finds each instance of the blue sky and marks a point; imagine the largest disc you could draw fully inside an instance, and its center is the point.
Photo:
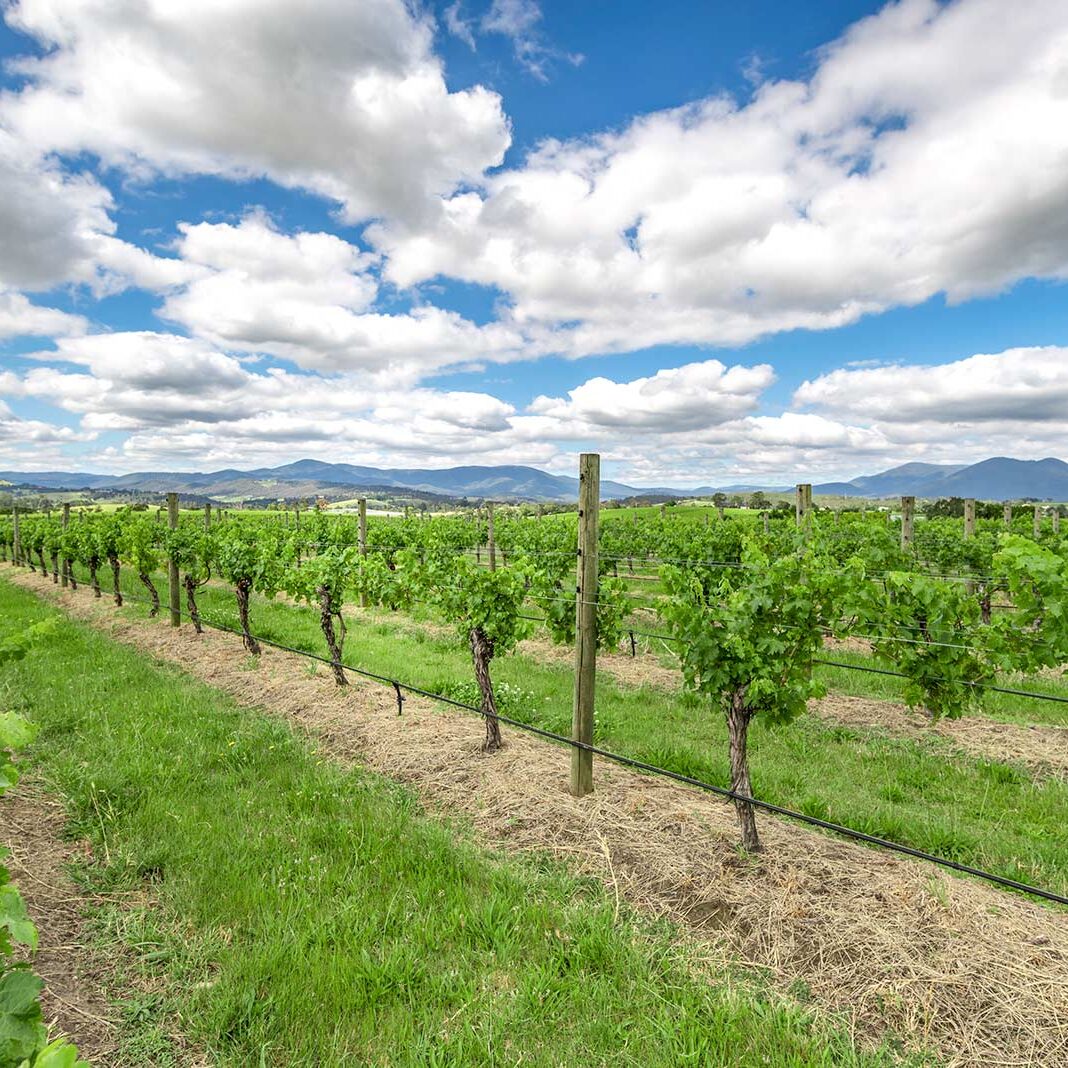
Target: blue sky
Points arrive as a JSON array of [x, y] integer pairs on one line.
[[712, 241]]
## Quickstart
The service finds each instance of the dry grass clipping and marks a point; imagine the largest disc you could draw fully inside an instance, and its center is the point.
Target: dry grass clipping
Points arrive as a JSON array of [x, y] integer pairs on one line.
[[978, 975]]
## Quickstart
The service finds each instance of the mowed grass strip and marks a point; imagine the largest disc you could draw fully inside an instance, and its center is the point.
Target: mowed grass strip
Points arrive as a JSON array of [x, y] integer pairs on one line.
[[297, 912]]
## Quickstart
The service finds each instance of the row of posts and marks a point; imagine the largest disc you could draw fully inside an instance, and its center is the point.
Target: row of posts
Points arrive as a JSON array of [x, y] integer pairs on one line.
[[803, 510], [586, 587]]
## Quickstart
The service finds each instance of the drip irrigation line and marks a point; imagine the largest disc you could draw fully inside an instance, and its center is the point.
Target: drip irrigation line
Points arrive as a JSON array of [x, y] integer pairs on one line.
[[964, 682], [399, 685], [992, 688]]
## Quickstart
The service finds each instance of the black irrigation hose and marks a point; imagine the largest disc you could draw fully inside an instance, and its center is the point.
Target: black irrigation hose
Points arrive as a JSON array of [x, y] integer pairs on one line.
[[640, 765], [653, 769], [936, 678]]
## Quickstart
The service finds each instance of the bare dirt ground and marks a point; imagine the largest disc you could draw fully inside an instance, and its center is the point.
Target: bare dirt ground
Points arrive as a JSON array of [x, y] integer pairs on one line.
[[895, 946], [75, 976]]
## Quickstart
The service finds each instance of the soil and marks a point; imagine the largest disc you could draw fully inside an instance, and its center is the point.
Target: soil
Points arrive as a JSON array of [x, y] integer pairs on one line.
[[895, 946], [75, 977]]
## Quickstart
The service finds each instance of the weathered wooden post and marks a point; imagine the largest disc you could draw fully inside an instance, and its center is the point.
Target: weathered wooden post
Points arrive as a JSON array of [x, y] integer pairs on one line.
[[908, 519], [173, 579], [207, 516], [1036, 526], [361, 503], [969, 517], [767, 523], [64, 565], [1006, 514], [1056, 517], [17, 547], [586, 622], [803, 507], [491, 542]]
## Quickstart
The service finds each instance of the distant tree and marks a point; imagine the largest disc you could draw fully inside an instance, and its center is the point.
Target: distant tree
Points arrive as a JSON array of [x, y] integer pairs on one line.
[[759, 500]]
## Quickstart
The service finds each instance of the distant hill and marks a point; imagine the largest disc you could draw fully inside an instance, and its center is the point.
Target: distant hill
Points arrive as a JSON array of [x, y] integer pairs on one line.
[[999, 478], [307, 478]]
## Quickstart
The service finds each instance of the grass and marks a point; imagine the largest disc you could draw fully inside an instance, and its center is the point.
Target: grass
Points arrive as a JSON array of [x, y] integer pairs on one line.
[[919, 792], [292, 911]]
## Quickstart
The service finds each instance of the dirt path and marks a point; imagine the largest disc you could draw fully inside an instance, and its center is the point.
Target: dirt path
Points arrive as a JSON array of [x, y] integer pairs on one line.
[[896, 946], [75, 977]]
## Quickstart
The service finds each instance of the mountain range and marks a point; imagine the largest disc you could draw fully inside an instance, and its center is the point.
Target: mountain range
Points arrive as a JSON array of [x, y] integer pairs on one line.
[[999, 478]]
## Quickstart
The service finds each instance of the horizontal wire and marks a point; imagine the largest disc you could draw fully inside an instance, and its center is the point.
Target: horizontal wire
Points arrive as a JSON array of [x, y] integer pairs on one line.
[[640, 765]]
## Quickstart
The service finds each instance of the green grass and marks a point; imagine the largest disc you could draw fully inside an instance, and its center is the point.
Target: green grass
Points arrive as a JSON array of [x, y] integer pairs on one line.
[[302, 913], [919, 792]]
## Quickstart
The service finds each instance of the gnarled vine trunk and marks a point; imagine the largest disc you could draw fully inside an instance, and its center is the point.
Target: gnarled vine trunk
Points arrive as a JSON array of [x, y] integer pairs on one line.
[[326, 621], [191, 602], [94, 579], [738, 717], [242, 589], [481, 655], [114, 562], [55, 567], [152, 592]]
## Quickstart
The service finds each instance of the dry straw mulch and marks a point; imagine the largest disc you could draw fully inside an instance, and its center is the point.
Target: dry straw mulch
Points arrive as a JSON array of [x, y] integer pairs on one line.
[[950, 964]]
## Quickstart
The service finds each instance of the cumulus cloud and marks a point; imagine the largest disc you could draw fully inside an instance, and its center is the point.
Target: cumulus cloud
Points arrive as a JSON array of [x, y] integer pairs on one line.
[[674, 400], [1028, 384], [895, 173], [345, 99], [310, 298], [20, 318]]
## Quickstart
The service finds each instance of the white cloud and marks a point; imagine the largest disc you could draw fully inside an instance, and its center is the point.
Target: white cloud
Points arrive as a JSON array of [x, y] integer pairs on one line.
[[18, 318], [1025, 384], [345, 99], [520, 21], [308, 297], [458, 26], [897, 172], [674, 400]]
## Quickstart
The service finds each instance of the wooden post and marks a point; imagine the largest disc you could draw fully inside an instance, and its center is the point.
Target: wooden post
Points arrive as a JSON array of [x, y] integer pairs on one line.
[[1006, 513], [361, 505], [969, 517], [803, 508], [207, 516], [586, 622], [173, 579], [767, 523], [1037, 526], [17, 548], [1056, 517], [64, 564], [491, 543], [908, 518]]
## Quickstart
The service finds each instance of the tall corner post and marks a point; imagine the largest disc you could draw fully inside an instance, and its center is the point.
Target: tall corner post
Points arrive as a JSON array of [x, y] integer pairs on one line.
[[969, 517], [173, 580], [908, 520], [586, 622], [64, 564], [361, 504]]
